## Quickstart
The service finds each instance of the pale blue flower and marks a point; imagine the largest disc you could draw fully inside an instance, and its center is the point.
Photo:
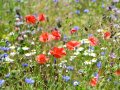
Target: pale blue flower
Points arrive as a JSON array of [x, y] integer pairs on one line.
[[29, 80], [2, 82], [66, 78]]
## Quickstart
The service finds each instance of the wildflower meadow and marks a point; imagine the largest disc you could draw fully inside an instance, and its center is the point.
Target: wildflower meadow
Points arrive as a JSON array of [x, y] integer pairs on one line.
[[59, 44]]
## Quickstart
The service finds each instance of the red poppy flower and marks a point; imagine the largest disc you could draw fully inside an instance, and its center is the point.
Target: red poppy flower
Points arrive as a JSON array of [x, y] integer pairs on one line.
[[93, 82], [72, 44], [117, 72], [41, 17], [56, 34], [58, 52], [107, 35], [45, 37], [73, 31], [42, 59], [30, 19], [93, 41]]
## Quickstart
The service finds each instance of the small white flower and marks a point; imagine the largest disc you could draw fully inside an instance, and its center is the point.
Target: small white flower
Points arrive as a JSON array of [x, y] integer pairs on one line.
[[103, 48], [32, 43], [49, 53], [66, 70], [25, 36], [47, 65], [18, 48], [28, 54], [84, 41], [76, 53], [12, 54], [100, 30], [85, 53], [64, 46], [59, 71], [90, 51], [64, 61], [92, 54], [12, 47], [87, 62], [44, 52], [25, 48], [7, 59], [80, 49], [75, 83], [94, 60], [11, 33]]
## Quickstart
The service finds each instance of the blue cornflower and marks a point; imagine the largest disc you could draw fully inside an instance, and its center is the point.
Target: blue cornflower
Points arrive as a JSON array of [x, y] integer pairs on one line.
[[93, 0], [2, 82], [55, 1], [86, 11], [4, 48], [96, 75], [89, 35], [77, 11], [24, 64], [65, 38], [76, 83], [7, 75], [70, 68], [54, 60], [4, 55], [76, 0], [102, 53], [29, 80], [76, 27], [7, 43], [99, 64], [91, 48], [66, 78]]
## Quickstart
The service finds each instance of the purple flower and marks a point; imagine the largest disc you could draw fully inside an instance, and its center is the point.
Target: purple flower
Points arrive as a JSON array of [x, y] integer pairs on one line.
[[76, 83], [4, 48], [76, 27], [54, 60], [77, 11], [99, 64], [86, 11], [2, 82], [65, 38], [96, 75], [70, 68], [4, 55], [66, 78], [24, 64], [112, 55], [29, 80], [76, 0], [115, 1], [55, 1], [89, 35], [93, 0], [102, 53], [103, 5]]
